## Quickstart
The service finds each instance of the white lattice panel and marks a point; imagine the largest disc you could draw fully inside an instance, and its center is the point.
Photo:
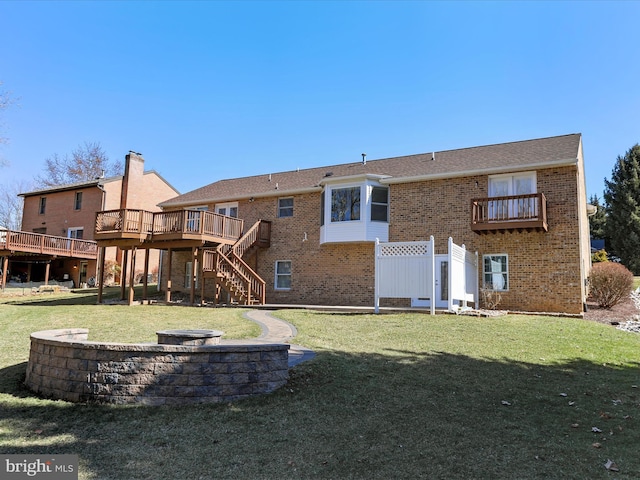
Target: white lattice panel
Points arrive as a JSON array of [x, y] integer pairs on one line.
[[404, 249]]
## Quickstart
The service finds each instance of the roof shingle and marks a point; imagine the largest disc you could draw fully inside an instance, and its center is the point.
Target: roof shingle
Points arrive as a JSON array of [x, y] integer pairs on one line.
[[504, 157]]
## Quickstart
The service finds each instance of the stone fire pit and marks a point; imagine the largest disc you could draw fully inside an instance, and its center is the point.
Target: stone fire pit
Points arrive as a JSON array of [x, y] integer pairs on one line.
[[185, 367]]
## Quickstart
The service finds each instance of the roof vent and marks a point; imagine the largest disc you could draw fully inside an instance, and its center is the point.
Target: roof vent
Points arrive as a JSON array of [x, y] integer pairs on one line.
[[328, 174], [364, 158], [433, 156]]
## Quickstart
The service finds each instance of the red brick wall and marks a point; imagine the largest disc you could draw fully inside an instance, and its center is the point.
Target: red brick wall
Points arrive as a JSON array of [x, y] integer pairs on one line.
[[544, 267]]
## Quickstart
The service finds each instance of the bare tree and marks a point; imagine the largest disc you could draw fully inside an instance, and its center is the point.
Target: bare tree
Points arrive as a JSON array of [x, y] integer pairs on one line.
[[5, 101], [87, 162], [11, 205]]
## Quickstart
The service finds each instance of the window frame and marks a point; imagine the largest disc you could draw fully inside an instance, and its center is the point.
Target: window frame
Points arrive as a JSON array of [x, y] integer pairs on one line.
[[188, 274], [351, 189], [76, 230], [278, 275], [228, 206], [285, 208], [373, 204], [42, 206], [77, 201], [505, 272]]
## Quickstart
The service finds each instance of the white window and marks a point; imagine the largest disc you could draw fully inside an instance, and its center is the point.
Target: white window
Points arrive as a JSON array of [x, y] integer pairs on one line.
[[285, 207], [345, 204], [229, 209], [509, 186], [194, 216], [379, 204], [77, 203], [77, 232], [495, 272], [188, 275], [283, 275]]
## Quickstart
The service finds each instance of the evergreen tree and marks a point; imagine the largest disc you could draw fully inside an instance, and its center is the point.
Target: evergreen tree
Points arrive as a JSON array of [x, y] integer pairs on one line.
[[622, 197], [598, 221]]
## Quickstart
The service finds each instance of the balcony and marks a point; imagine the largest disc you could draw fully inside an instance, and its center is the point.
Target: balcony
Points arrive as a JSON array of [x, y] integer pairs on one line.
[[517, 212], [138, 226]]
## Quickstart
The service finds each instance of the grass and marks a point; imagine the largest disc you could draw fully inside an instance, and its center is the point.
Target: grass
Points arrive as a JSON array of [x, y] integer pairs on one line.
[[387, 396]]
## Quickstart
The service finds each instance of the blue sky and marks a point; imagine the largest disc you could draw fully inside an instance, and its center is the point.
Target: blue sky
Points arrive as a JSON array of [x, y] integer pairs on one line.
[[214, 90]]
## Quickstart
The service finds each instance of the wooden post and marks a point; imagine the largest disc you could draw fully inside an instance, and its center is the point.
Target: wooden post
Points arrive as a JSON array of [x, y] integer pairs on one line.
[[146, 274], [123, 274], [167, 297], [194, 273], [47, 269], [28, 272], [100, 273], [5, 267], [132, 276], [201, 272]]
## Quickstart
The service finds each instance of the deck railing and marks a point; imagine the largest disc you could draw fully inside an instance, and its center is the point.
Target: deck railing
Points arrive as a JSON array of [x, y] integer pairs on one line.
[[47, 244], [509, 212], [124, 221], [179, 222], [197, 222]]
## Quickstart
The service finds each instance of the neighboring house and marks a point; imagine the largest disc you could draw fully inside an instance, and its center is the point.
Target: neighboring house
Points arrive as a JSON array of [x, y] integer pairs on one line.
[[69, 211], [311, 233]]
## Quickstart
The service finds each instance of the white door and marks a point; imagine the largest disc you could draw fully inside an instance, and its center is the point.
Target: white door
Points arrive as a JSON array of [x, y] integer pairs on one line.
[[228, 209], [442, 285]]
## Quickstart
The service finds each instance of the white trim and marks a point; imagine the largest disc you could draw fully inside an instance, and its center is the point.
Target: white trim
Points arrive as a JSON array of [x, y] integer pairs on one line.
[[276, 275], [480, 171], [75, 229], [506, 272]]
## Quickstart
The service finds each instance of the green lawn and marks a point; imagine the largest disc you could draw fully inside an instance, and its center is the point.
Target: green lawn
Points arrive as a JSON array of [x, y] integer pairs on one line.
[[387, 396]]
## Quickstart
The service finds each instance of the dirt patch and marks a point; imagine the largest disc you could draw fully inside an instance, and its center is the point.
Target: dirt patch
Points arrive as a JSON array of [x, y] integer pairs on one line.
[[620, 313]]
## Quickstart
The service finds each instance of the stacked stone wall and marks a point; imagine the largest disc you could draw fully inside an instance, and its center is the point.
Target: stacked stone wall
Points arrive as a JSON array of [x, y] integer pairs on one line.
[[64, 365]]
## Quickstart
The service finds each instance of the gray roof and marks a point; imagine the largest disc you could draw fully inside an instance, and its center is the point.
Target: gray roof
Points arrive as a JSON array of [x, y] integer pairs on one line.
[[488, 159]]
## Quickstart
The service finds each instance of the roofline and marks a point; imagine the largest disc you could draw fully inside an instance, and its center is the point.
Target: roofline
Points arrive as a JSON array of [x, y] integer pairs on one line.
[[62, 188], [274, 193], [350, 178], [383, 179], [93, 183], [481, 171]]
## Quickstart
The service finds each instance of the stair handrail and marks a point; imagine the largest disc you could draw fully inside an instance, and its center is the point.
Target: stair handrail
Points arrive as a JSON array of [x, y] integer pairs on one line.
[[247, 240]]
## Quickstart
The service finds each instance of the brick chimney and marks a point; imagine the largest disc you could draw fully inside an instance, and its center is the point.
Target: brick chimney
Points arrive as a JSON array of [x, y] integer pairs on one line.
[[132, 184]]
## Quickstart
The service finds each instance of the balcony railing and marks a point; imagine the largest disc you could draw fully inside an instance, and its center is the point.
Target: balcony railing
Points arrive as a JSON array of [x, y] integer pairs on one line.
[[123, 223], [47, 244], [516, 212], [190, 223], [175, 225]]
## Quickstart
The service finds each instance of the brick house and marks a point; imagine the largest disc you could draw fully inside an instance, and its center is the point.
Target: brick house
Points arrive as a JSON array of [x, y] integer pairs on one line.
[[70, 211], [521, 205]]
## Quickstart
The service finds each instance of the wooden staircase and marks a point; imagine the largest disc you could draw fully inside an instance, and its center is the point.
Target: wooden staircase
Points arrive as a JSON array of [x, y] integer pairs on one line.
[[232, 273]]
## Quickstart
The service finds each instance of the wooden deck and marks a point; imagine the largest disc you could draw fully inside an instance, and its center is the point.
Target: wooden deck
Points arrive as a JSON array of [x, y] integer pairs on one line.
[[13, 241], [517, 212], [180, 227]]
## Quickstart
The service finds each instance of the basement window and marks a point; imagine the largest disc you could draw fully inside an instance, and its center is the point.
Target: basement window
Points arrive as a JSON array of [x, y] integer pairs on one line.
[[495, 272], [283, 275]]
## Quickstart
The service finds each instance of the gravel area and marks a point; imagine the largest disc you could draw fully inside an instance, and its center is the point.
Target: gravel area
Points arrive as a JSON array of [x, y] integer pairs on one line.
[[624, 316]]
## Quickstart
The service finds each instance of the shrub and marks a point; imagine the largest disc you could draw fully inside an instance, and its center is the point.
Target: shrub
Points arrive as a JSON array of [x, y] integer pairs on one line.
[[609, 283], [599, 256], [490, 298]]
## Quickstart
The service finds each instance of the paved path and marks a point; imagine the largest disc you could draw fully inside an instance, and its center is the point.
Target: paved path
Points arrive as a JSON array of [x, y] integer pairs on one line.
[[278, 331]]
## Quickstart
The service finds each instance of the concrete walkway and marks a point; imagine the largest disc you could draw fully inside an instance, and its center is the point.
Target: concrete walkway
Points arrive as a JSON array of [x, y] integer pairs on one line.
[[275, 330]]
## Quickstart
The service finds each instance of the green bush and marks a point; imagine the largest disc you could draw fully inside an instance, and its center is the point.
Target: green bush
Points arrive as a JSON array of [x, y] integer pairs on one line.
[[609, 283]]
